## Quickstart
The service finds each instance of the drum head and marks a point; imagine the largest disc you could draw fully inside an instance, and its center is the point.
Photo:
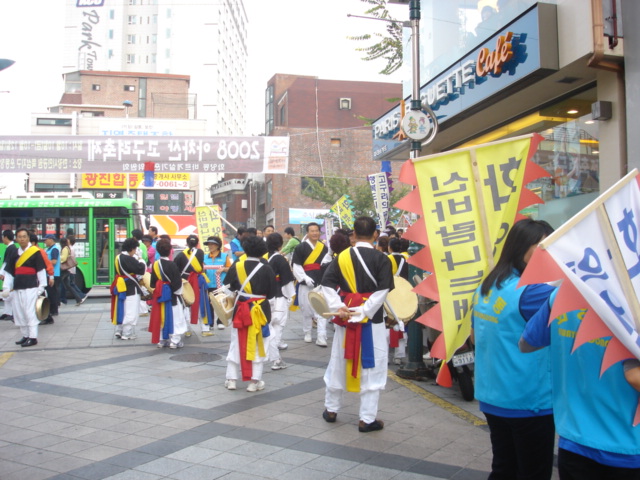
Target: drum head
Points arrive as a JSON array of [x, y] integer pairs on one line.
[[223, 306], [188, 295], [318, 303], [42, 308], [146, 281], [402, 300]]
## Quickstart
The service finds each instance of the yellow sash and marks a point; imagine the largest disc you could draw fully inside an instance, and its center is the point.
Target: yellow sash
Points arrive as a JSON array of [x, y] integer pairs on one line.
[[348, 271], [258, 318], [195, 263], [26, 255], [314, 256]]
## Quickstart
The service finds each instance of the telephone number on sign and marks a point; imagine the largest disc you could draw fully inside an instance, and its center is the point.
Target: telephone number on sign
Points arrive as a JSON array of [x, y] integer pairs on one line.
[[171, 184]]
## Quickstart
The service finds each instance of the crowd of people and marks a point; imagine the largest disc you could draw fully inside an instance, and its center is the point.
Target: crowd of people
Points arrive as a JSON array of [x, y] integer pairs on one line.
[[529, 381]]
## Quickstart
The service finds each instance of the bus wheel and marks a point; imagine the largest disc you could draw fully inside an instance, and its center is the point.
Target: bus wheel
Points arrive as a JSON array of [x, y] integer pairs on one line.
[[80, 282]]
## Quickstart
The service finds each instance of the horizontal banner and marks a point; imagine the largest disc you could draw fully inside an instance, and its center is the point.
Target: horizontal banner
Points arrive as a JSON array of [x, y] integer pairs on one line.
[[116, 181], [105, 154]]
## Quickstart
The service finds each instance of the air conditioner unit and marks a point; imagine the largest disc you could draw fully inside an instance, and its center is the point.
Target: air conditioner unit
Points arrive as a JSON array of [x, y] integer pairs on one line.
[[244, 204], [345, 104]]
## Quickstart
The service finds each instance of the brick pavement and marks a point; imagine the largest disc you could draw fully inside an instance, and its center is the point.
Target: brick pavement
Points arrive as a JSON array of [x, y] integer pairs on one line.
[[84, 405]]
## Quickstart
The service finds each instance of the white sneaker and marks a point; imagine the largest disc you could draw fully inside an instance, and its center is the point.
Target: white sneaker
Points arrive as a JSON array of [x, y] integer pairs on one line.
[[321, 342], [397, 361], [255, 387], [221, 326], [176, 345], [118, 335], [283, 346], [230, 384], [163, 343], [131, 336], [307, 337], [278, 365]]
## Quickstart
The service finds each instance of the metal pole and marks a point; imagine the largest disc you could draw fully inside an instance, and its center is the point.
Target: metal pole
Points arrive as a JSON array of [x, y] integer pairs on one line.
[[416, 103]]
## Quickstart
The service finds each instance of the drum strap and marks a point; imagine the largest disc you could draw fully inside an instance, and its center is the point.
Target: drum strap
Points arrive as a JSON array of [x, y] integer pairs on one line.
[[128, 275], [193, 254], [400, 265], [244, 284], [364, 266]]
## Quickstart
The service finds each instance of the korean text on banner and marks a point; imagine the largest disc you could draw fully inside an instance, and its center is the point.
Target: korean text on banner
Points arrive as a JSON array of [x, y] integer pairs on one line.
[[208, 222], [468, 200], [342, 208], [381, 197]]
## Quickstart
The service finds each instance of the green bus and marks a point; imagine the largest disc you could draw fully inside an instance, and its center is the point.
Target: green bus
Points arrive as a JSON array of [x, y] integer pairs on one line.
[[99, 225]]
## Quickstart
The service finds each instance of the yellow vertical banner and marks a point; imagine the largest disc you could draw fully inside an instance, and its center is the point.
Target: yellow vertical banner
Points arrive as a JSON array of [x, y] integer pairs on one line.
[[470, 199], [208, 223], [342, 208]]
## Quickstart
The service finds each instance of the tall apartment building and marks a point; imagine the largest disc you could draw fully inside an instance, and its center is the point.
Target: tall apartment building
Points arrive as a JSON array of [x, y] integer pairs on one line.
[[202, 39]]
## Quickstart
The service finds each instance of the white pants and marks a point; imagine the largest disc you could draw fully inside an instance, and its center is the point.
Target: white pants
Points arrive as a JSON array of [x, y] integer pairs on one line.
[[233, 359], [279, 315], [24, 311], [308, 313], [179, 323], [372, 379], [8, 303], [130, 319]]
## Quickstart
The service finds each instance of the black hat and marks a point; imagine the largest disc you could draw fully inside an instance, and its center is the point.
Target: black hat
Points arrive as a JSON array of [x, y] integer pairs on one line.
[[212, 240]]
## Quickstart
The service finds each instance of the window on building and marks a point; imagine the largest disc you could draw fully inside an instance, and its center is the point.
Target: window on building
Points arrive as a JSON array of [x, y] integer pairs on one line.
[[168, 13], [268, 126], [345, 104], [131, 39], [52, 187], [131, 58], [336, 142], [132, 20], [168, 33], [154, 38], [54, 122], [283, 114], [167, 54], [154, 58], [110, 34], [95, 87], [129, 88], [132, 2], [112, 14]]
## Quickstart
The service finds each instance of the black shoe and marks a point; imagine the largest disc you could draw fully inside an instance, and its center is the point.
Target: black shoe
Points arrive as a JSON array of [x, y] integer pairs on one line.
[[8, 317], [47, 321], [4, 316], [329, 417], [30, 342], [22, 340], [370, 427]]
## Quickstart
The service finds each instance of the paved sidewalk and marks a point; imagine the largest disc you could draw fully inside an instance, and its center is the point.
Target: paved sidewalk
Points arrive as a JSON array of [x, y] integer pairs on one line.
[[84, 405]]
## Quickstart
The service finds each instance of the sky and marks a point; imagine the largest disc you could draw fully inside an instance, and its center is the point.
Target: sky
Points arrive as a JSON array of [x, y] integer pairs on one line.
[[308, 36]]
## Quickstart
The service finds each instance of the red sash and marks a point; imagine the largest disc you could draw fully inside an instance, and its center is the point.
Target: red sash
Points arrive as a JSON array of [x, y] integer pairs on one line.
[[242, 321], [353, 332], [195, 307]]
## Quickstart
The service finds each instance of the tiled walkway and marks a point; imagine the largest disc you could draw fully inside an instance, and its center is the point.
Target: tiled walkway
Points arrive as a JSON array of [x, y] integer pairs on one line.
[[83, 405]]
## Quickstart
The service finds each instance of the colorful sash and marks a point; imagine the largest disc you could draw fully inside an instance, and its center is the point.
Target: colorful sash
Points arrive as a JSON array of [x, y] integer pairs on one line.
[[248, 319], [395, 337], [26, 255], [312, 262], [118, 291], [161, 308], [205, 306], [358, 339], [194, 281]]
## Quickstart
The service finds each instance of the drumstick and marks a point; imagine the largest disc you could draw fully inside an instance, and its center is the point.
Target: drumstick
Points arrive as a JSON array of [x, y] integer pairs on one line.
[[335, 314]]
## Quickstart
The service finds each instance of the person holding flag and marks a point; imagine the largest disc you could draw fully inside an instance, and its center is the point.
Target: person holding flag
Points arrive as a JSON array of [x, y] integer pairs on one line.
[[360, 350], [306, 262], [514, 390], [167, 315], [593, 412], [255, 283]]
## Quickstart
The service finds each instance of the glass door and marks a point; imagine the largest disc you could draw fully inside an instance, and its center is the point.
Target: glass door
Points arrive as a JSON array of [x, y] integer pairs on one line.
[[109, 235]]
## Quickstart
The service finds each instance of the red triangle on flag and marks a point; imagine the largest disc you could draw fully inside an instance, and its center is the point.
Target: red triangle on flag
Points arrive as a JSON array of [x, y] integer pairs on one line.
[[444, 376], [591, 327], [615, 352], [408, 173], [411, 202], [541, 268]]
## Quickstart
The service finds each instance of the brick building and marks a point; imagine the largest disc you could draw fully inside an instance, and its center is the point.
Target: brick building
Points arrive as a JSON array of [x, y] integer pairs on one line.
[[93, 93], [326, 121]]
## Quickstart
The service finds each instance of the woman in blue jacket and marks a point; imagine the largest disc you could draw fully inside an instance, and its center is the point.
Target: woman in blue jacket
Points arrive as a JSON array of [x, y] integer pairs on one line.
[[514, 389]]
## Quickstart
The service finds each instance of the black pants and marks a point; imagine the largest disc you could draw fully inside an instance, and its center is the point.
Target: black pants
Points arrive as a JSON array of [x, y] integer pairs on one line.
[[52, 294], [522, 447], [573, 466]]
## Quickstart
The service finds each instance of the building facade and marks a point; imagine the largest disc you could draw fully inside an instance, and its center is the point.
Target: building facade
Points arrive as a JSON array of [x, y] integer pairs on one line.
[[512, 67], [203, 39], [328, 123]]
